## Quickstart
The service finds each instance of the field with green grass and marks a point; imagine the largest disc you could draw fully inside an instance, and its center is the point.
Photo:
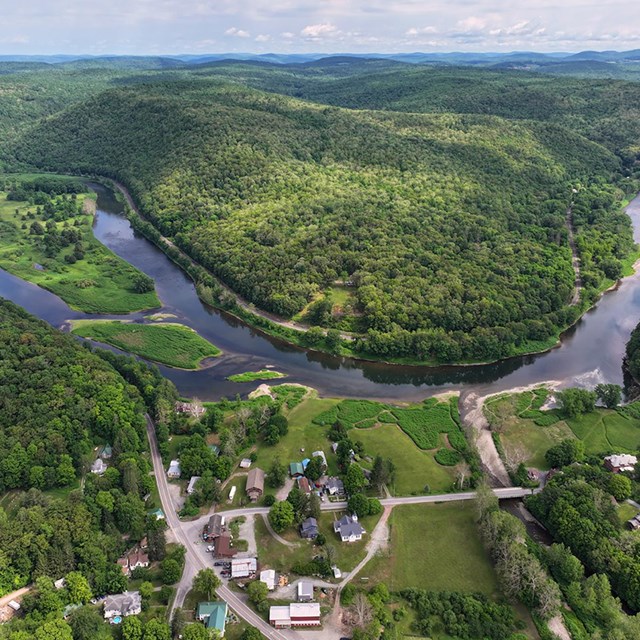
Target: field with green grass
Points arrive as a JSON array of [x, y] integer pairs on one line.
[[527, 433], [377, 426], [252, 376], [172, 344], [99, 282], [447, 555]]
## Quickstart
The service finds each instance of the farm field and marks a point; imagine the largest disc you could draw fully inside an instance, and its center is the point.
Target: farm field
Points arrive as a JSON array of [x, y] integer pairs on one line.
[[100, 282], [172, 344], [601, 431], [454, 561]]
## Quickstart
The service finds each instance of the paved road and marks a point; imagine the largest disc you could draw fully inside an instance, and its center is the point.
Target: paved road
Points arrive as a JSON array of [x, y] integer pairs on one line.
[[196, 557]]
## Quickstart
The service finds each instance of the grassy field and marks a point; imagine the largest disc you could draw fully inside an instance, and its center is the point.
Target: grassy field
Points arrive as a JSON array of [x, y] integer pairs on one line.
[[417, 472], [447, 555], [603, 430], [101, 282], [171, 344], [252, 376]]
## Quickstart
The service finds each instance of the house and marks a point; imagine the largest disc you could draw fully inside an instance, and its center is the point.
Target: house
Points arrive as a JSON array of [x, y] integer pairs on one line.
[[191, 487], [296, 614], [15, 605], [105, 452], [158, 513], [213, 615], [133, 559], [305, 591], [620, 462], [255, 484], [320, 454], [634, 523], [348, 528], [174, 469], [296, 470], [304, 485], [268, 576], [98, 467], [68, 610], [244, 567], [305, 462], [245, 463], [335, 486], [123, 563], [224, 546], [124, 604], [321, 482], [337, 574], [214, 528], [309, 529], [194, 409]]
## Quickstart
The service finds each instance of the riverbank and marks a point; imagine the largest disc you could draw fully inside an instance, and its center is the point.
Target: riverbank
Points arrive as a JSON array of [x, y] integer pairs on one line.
[[297, 334]]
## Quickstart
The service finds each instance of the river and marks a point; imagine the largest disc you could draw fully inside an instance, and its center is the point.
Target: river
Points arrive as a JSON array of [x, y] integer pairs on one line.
[[590, 352]]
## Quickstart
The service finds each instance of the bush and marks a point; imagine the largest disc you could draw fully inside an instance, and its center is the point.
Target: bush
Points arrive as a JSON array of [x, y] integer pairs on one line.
[[447, 457], [268, 500]]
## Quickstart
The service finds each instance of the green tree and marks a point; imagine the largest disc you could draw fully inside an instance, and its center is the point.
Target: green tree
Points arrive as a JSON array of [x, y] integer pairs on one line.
[[315, 469], [78, 588], [359, 504], [257, 592], [142, 283], [251, 633], [131, 628], [609, 394], [277, 474], [170, 571], [146, 591], [87, 624], [178, 622], [195, 631], [281, 516], [54, 630], [206, 582], [156, 629], [565, 453], [576, 401], [620, 487], [354, 481]]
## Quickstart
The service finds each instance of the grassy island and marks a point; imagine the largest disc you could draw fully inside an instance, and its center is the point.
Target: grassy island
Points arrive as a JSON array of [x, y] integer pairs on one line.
[[46, 238], [252, 376], [168, 343]]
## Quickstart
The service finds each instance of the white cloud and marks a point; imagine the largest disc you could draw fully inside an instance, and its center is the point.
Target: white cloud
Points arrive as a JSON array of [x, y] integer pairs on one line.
[[238, 33], [263, 38], [414, 31], [471, 24], [319, 31]]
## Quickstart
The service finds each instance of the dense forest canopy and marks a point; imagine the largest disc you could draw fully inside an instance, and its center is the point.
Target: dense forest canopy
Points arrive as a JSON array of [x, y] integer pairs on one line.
[[450, 224]]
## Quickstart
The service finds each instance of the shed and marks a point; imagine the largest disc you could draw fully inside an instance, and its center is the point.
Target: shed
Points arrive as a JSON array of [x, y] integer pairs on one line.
[[191, 487], [268, 576], [255, 484], [296, 469], [305, 591]]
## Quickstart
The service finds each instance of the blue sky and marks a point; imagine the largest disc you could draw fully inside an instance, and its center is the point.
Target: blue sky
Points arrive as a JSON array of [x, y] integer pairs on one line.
[[292, 26]]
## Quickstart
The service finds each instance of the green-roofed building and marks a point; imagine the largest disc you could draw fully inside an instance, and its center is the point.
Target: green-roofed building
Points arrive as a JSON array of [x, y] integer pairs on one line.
[[296, 470], [215, 449], [213, 615]]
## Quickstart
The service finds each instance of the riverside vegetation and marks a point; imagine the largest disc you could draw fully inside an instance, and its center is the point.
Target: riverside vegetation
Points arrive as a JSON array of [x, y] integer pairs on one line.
[[46, 238], [449, 228]]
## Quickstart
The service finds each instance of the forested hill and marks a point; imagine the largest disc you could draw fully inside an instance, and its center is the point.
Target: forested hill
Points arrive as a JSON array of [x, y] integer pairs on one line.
[[450, 226]]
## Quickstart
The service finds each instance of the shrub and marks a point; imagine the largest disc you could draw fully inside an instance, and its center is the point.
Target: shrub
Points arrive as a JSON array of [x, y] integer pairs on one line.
[[447, 457]]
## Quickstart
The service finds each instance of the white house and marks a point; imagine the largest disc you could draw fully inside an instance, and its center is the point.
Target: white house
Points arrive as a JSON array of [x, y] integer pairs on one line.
[[124, 604], [98, 467], [620, 462], [268, 576], [174, 469], [191, 487], [348, 528]]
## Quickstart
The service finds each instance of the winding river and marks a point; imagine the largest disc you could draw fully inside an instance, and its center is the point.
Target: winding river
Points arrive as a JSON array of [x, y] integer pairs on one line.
[[590, 352]]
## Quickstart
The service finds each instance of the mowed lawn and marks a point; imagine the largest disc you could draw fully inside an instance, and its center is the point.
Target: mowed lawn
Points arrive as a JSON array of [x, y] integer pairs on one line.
[[172, 344], [302, 435], [604, 429], [435, 547], [101, 282], [416, 470]]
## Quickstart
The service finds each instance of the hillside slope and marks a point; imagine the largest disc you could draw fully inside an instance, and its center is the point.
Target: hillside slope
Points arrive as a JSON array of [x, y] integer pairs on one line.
[[451, 226]]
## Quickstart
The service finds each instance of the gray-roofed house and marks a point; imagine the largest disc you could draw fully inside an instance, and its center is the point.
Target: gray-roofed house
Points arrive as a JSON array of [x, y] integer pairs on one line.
[[191, 487], [305, 591], [309, 529], [214, 527], [98, 467], [334, 486], [174, 469], [255, 484], [348, 528], [124, 604], [105, 452]]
